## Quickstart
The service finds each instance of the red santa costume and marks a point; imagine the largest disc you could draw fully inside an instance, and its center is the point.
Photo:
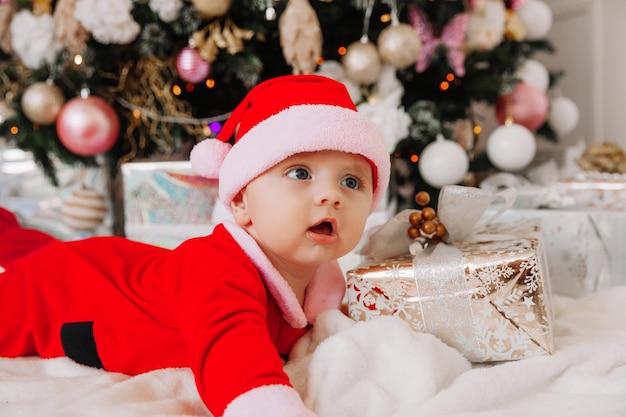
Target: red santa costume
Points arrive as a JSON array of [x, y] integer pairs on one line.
[[215, 304]]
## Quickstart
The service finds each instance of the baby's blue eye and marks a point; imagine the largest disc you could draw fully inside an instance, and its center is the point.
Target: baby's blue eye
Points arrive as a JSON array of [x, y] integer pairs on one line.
[[299, 174], [351, 182]]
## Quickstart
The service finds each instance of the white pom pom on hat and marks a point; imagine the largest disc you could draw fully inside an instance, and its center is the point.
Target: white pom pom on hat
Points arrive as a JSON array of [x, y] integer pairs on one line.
[[284, 116]]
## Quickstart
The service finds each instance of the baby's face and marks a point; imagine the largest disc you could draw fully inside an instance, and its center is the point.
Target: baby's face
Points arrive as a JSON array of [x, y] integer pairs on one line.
[[310, 208]]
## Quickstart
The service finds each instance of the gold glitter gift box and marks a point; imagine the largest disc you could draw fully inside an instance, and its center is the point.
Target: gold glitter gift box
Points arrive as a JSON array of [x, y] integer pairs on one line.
[[487, 296]]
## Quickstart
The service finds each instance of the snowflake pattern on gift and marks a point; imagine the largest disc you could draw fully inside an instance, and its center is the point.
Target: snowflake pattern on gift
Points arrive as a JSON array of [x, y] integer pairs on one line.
[[509, 315]]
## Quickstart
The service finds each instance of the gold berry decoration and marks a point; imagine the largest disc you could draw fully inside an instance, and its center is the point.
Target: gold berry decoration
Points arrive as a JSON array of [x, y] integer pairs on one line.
[[428, 213], [422, 198], [424, 223], [415, 218]]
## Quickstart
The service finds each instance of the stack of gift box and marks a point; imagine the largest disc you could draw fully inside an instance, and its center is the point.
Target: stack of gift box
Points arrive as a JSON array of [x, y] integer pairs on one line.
[[486, 288]]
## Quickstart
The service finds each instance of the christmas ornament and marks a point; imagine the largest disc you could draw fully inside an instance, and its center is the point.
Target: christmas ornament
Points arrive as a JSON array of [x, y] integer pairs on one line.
[[452, 36], [536, 17], [486, 26], [399, 45], [361, 63], [443, 162], [513, 28], [216, 36], [563, 116], [606, 157], [42, 102], [526, 105], [300, 36], [190, 65], [7, 11], [534, 73], [67, 29], [6, 112], [211, 8], [84, 209], [511, 147], [88, 126]]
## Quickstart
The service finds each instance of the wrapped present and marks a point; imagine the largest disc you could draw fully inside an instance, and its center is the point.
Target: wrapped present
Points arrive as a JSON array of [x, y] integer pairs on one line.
[[485, 292], [594, 190], [166, 203], [584, 247]]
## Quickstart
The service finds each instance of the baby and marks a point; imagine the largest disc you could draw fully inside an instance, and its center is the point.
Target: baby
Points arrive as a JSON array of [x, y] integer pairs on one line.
[[304, 172]]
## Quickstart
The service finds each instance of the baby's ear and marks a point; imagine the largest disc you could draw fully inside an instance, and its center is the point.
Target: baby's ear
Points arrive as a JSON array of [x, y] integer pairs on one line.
[[240, 209]]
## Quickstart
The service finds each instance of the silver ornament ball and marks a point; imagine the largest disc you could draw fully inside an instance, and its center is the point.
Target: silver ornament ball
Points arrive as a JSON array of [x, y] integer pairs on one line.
[[399, 45], [361, 63], [42, 102]]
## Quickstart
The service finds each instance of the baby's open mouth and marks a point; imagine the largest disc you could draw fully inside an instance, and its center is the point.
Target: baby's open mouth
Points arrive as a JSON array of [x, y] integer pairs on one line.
[[324, 228]]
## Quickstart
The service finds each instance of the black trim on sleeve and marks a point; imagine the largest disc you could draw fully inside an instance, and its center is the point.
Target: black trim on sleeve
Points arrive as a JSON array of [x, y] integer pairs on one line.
[[79, 344]]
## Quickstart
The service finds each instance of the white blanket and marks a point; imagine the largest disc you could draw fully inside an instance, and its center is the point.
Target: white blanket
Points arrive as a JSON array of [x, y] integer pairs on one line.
[[370, 369]]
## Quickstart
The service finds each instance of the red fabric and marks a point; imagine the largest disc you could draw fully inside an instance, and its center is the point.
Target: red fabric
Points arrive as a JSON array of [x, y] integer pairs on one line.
[[16, 241], [202, 305]]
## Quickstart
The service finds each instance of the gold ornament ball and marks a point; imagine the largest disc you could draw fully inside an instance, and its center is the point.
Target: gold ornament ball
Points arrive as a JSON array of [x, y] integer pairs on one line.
[[42, 102], [211, 8], [361, 63], [399, 45]]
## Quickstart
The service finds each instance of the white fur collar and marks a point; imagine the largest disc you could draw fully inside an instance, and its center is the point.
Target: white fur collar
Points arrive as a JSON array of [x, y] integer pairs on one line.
[[324, 292]]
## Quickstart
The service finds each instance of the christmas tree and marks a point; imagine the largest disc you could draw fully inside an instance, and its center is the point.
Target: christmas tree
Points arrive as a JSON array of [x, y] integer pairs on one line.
[[93, 83]]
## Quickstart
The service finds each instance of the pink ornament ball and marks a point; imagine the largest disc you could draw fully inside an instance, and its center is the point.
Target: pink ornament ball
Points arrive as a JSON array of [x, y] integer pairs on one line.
[[527, 105], [191, 67], [88, 126]]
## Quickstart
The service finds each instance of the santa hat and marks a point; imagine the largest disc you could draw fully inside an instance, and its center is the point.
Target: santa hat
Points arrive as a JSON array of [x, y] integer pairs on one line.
[[284, 116]]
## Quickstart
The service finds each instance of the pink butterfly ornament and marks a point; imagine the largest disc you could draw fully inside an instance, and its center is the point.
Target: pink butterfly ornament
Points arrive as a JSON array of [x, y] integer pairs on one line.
[[452, 37]]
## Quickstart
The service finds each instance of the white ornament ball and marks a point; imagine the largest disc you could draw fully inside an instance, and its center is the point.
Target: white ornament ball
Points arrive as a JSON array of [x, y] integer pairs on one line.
[[564, 115], [511, 147], [399, 45], [534, 73], [536, 17], [361, 63], [84, 209], [443, 162]]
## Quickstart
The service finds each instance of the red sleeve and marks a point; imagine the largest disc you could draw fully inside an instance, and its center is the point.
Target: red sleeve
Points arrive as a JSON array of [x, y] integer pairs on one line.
[[223, 320]]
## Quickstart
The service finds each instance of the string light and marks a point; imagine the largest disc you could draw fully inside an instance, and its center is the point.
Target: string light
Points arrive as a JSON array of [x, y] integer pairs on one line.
[[477, 130], [176, 90], [414, 158], [444, 85], [14, 130], [213, 122], [210, 83], [189, 87], [215, 127], [341, 50], [385, 18], [78, 59], [450, 77]]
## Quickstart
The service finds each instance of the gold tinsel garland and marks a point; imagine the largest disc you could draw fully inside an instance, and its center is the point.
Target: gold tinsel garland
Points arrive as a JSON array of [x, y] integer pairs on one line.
[[144, 92], [10, 87]]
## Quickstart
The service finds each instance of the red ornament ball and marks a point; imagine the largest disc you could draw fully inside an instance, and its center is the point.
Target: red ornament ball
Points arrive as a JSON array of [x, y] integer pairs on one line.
[[190, 65], [527, 105], [88, 126]]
